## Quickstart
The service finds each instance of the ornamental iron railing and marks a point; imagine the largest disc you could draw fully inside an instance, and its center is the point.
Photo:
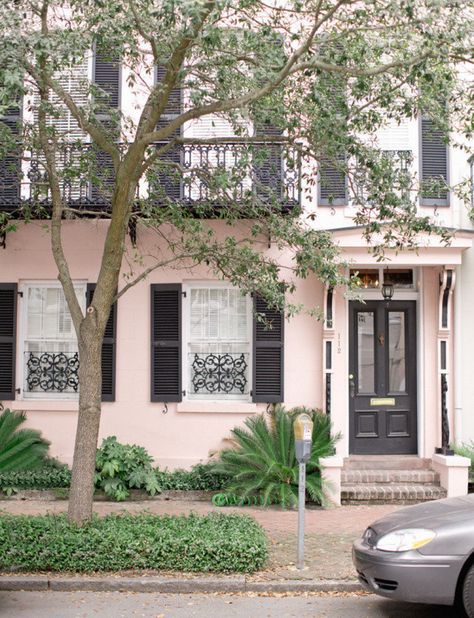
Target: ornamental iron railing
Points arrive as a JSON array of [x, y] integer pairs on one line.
[[194, 175], [223, 373], [52, 372]]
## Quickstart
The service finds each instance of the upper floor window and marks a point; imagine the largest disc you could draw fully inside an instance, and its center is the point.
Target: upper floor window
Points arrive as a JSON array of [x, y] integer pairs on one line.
[[51, 359]]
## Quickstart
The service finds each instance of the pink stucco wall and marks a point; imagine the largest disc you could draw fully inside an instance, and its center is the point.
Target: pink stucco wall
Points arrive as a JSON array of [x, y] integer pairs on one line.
[[189, 431]]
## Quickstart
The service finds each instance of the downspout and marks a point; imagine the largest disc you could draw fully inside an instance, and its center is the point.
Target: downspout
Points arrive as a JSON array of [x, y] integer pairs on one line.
[[457, 374]]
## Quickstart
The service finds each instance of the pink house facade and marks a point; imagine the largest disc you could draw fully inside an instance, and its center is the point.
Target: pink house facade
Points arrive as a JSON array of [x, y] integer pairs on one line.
[[185, 361]]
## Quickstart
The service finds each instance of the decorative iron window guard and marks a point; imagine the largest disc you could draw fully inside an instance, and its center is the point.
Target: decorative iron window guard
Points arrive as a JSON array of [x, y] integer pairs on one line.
[[52, 372], [183, 174], [224, 373]]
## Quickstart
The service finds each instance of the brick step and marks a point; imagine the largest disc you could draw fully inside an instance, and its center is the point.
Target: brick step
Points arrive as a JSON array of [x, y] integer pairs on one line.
[[398, 477], [379, 493], [386, 462]]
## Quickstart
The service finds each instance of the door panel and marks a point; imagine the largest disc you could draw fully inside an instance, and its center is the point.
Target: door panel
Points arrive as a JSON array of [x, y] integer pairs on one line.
[[382, 367]]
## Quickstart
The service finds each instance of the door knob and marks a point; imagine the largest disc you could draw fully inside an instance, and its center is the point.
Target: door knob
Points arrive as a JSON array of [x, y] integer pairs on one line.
[[351, 386]]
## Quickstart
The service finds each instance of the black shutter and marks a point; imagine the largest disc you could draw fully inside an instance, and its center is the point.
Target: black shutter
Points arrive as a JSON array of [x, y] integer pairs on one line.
[[10, 165], [107, 77], [168, 180], [268, 354], [332, 182], [109, 349], [434, 164], [269, 167], [166, 342], [8, 298]]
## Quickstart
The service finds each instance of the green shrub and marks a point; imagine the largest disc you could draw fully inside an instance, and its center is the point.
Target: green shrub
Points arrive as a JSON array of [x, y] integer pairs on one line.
[[466, 449], [20, 449], [51, 475], [263, 464], [201, 477], [215, 542], [121, 467]]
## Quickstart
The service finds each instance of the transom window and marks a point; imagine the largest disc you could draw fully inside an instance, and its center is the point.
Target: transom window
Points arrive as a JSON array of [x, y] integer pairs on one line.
[[51, 359], [217, 355]]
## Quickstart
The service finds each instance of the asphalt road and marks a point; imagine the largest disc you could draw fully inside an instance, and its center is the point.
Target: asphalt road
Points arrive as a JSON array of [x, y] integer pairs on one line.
[[117, 605]]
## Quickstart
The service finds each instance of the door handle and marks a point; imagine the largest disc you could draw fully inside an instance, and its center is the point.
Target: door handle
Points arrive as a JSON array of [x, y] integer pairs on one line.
[[351, 386]]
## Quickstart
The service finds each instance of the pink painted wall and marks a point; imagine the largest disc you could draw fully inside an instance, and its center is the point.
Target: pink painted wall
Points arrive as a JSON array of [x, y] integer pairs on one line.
[[189, 431]]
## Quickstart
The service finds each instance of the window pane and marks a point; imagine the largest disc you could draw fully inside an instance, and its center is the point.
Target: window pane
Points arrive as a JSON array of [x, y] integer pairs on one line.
[[396, 351], [365, 352], [219, 345], [51, 358]]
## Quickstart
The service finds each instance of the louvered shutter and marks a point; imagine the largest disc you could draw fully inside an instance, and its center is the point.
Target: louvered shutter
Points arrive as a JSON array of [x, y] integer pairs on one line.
[[434, 164], [8, 299], [269, 167], [166, 342], [332, 182], [10, 165], [109, 349], [107, 78], [167, 183], [268, 354], [106, 75]]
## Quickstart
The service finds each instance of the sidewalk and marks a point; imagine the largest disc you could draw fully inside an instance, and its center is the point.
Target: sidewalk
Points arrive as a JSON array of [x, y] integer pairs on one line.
[[328, 538]]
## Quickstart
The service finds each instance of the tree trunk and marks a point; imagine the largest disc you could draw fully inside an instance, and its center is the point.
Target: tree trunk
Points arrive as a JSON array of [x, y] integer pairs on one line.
[[88, 422]]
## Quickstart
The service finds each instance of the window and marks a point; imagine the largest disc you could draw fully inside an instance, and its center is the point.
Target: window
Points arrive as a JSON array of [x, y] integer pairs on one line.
[[217, 356], [51, 358], [200, 345]]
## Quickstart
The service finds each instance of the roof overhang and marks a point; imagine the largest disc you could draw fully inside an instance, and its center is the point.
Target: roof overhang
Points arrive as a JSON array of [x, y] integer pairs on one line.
[[430, 249]]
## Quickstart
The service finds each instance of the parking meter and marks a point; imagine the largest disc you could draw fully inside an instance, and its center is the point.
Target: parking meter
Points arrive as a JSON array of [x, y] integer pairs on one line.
[[303, 428]]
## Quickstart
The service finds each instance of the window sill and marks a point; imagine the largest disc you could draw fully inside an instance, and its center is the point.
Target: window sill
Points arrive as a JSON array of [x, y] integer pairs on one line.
[[218, 407], [46, 405]]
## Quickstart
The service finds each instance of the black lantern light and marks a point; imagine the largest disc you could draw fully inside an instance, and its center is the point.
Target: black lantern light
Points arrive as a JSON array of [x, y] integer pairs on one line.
[[387, 287]]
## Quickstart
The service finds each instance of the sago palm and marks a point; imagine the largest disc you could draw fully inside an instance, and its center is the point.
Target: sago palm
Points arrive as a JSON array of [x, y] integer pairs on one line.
[[20, 449], [263, 462]]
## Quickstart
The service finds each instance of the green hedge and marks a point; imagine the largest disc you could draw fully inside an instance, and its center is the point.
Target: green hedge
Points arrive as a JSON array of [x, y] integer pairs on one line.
[[200, 478], [49, 476], [215, 542]]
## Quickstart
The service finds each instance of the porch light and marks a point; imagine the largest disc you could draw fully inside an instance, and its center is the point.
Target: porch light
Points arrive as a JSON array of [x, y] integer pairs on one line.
[[387, 287]]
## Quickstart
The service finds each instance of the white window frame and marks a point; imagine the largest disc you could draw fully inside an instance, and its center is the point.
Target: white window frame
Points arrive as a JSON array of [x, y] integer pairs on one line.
[[24, 288], [186, 325]]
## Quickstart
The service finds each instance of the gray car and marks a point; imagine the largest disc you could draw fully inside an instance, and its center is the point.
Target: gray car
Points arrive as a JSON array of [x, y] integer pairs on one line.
[[422, 553]]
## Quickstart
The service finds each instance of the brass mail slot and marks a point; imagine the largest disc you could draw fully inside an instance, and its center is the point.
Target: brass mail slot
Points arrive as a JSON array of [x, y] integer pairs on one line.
[[382, 401]]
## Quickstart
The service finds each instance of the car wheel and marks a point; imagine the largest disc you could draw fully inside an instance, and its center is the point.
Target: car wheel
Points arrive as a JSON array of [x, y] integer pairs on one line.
[[468, 592]]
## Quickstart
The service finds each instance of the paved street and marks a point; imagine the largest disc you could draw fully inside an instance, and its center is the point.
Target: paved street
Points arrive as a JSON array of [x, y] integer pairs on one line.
[[117, 605]]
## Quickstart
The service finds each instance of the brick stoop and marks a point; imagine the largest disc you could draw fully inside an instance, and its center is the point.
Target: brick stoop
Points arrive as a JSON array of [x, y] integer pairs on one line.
[[389, 479]]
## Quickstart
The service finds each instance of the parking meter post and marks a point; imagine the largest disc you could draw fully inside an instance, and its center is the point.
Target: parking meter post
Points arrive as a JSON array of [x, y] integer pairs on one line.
[[303, 428], [301, 510]]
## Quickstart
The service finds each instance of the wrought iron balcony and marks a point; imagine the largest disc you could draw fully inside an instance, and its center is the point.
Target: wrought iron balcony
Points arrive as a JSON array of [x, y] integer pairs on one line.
[[51, 372], [199, 176], [223, 373]]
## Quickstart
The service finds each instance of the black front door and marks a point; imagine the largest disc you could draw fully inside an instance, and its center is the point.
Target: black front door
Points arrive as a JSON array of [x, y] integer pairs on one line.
[[382, 377]]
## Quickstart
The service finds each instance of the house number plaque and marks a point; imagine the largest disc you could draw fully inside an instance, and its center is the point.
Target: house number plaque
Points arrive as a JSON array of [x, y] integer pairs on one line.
[[382, 401]]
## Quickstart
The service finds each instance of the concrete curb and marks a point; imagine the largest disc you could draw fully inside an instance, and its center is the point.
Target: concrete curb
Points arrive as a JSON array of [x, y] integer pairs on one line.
[[171, 585]]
